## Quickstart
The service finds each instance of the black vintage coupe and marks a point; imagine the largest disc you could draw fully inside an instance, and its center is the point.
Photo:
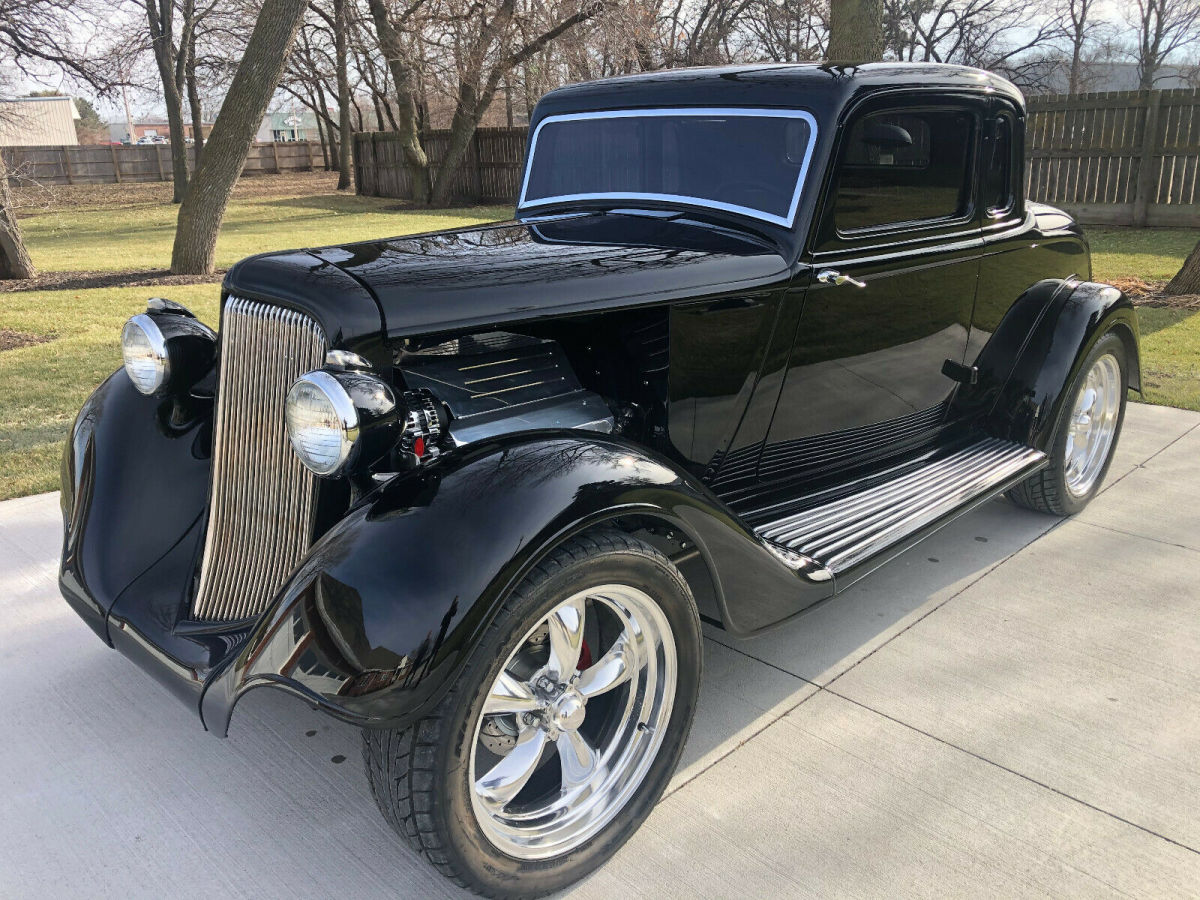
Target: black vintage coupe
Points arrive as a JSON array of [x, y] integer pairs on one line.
[[752, 332]]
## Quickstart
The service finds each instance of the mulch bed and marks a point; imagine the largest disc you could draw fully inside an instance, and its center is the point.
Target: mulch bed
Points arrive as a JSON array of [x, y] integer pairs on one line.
[[11, 340], [1150, 293], [79, 281]]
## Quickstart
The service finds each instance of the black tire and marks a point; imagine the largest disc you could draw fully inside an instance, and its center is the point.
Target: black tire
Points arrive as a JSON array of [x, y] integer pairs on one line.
[[1047, 491], [419, 775]]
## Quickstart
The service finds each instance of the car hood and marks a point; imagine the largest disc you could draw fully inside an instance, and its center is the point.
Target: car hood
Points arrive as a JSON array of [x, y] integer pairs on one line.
[[519, 271]]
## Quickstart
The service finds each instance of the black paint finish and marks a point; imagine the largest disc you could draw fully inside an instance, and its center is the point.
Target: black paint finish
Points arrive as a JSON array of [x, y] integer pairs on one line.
[[738, 381], [376, 623]]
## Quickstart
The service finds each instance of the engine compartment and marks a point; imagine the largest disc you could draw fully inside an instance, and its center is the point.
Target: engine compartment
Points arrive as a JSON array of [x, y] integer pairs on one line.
[[605, 373]]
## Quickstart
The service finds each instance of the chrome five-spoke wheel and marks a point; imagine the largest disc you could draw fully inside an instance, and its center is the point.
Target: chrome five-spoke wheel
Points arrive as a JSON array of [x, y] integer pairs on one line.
[[1093, 424], [573, 721], [561, 728]]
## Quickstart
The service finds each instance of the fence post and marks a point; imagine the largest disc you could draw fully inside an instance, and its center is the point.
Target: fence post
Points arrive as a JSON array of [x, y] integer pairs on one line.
[[66, 152], [116, 164], [1147, 180], [311, 163], [162, 173]]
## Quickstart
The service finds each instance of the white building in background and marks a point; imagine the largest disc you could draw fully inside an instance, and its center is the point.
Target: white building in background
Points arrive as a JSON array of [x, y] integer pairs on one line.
[[38, 121], [297, 124]]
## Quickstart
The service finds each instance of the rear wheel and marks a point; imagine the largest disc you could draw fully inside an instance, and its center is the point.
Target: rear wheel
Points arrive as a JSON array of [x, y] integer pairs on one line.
[[563, 730], [1086, 434]]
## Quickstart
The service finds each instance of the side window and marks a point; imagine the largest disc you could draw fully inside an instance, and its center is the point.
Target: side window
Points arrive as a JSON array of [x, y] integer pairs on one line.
[[997, 194], [902, 167]]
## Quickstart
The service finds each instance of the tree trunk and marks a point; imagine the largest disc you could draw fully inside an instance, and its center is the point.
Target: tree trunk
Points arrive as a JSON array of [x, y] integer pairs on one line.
[[467, 114], [193, 92], [1076, 66], [14, 258], [1187, 279], [341, 26], [161, 17], [321, 134], [229, 143], [406, 102], [855, 31]]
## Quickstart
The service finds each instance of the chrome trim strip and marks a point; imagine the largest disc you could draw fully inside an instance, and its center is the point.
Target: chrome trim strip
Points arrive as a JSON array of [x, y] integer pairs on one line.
[[702, 203], [263, 500]]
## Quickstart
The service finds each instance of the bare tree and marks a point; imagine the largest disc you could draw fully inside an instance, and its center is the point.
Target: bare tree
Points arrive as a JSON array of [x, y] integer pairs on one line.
[[323, 66], [790, 30], [1079, 25], [401, 63], [171, 55], [341, 40], [1006, 36], [707, 32], [1163, 27], [490, 41], [255, 82], [36, 32]]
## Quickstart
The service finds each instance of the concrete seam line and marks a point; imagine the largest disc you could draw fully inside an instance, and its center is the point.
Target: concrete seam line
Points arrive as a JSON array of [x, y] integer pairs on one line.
[[1021, 775], [953, 596], [820, 687], [1134, 534], [745, 741], [1169, 444]]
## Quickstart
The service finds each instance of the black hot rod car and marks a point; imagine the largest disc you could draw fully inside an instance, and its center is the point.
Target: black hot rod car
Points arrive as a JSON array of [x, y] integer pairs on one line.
[[752, 332]]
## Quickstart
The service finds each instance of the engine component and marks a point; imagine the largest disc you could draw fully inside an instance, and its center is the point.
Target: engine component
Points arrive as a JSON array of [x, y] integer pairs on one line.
[[423, 426], [498, 383]]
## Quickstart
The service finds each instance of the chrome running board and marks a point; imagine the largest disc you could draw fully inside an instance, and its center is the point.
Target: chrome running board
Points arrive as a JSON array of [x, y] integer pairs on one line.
[[842, 533]]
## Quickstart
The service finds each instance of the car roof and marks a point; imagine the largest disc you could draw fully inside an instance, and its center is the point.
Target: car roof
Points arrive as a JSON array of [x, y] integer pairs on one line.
[[820, 87]]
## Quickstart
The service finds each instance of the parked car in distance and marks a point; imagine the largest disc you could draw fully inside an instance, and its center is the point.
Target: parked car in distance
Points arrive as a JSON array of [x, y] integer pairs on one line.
[[752, 332]]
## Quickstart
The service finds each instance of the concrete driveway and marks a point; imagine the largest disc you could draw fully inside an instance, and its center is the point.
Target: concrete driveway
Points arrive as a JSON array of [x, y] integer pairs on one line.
[[1012, 708]]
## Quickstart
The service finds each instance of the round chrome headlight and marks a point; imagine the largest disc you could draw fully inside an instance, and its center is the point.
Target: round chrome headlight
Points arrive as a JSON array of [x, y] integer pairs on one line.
[[322, 422], [145, 352]]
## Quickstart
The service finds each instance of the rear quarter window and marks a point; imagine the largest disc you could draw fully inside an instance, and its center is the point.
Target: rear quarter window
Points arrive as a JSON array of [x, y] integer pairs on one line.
[[904, 167]]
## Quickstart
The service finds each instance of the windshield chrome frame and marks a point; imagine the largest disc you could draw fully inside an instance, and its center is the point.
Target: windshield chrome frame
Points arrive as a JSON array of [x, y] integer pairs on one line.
[[695, 202]]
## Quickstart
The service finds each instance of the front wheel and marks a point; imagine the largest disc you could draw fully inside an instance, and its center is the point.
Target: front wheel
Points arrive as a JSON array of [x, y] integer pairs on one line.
[[1085, 436], [563, 730]]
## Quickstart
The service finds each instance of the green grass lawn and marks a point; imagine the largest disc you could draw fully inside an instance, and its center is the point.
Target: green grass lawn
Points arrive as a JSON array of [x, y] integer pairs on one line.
[[92, 235], [1152, 254], [1170, 337], [105, 229]]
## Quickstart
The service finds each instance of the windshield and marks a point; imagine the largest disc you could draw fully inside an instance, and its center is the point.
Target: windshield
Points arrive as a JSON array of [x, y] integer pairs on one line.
[[746, 161]]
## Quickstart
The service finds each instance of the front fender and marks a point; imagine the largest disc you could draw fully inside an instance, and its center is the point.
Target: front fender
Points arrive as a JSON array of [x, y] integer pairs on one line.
[[1030, 402], [377, 623], [135, 476]]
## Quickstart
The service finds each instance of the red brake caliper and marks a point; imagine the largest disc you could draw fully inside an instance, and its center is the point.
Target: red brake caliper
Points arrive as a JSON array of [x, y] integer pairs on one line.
[[585, 657]]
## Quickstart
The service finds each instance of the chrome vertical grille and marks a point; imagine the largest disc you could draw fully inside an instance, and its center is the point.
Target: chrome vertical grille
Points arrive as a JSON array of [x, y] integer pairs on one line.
[[261, 512]]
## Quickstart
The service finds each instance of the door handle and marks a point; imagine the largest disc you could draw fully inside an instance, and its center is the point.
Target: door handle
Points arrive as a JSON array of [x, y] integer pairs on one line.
[[831, 276]]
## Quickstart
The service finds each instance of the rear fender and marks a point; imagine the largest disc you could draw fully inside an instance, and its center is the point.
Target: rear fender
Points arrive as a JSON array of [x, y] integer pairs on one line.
[[376, 624], [1079, 315]]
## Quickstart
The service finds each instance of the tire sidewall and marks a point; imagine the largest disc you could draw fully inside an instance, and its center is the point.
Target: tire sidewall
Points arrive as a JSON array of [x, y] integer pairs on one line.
[[490, 870], [1110, 343]]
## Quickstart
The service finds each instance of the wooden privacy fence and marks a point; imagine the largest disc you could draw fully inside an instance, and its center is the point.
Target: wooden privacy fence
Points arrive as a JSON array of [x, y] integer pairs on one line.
[[1116, 158], [103, 164], [490, 172]]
